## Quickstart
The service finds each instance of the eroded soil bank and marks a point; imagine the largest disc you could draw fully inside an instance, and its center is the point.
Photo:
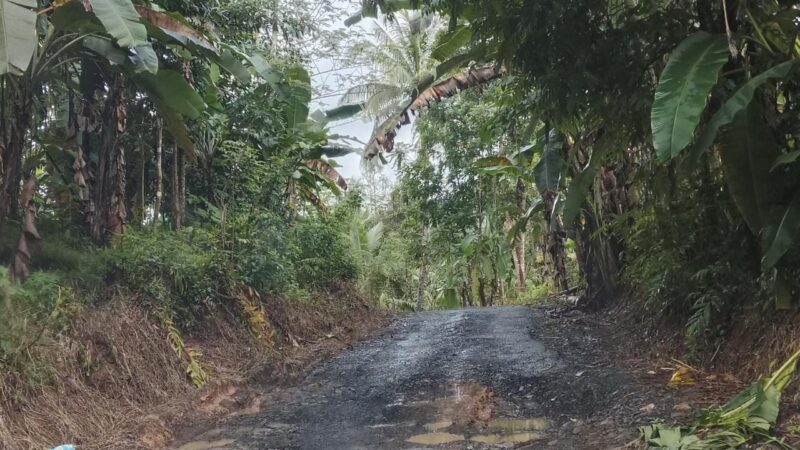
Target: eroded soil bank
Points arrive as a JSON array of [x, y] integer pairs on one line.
[[513, 377]]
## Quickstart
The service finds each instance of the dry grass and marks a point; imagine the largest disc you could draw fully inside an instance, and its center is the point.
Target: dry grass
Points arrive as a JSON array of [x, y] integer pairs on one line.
[[117, 383]]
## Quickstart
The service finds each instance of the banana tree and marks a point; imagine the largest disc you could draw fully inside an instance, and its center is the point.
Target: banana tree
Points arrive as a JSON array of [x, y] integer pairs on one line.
[[749, 152]]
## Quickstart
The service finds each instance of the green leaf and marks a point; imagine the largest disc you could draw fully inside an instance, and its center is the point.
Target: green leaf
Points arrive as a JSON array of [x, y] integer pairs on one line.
[[232, 63], [176, 126], [747, 150], [450, 42], [579, 186], [547, 173], [780, 233], [121, 21], [105, 48], [785, 158], [145, 59], [735, 103], [683, 90], [174, 91], [18, 38], [343, 112]]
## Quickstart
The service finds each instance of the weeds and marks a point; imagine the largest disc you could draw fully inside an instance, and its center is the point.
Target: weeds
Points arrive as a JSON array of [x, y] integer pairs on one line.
[[194, 369]]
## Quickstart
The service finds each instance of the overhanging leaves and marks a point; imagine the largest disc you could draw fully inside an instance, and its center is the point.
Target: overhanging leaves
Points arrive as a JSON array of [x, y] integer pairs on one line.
[[683, 90]]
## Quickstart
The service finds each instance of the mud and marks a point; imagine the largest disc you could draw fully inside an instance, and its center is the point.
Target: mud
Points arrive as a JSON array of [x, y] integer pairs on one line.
[[472, 378]]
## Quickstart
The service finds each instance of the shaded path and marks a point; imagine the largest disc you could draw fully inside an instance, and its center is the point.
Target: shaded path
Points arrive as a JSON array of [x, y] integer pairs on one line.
[[476, 377]]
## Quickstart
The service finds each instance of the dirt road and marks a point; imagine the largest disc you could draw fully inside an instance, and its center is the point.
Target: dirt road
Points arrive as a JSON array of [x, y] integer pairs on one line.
[[472, 378]]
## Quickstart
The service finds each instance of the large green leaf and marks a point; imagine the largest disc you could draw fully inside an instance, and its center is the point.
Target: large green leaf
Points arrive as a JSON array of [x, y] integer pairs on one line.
[[581, 183], [747, 149], [174, 91], [298, 96], [449, 43], [547, 173], [737, 102], [231, 61], [18, 38], [683, 90], [121, 21], [780, 232]]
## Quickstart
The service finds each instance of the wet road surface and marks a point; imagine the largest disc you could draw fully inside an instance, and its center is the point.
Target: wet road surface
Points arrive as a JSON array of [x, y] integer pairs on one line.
[[470, 378]]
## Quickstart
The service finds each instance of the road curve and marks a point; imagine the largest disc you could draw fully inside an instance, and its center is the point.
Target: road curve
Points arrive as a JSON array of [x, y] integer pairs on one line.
[[469, 378]]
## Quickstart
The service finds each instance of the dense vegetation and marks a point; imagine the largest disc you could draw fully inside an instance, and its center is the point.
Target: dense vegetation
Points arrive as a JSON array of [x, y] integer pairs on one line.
[[640, 147], [167, 151]]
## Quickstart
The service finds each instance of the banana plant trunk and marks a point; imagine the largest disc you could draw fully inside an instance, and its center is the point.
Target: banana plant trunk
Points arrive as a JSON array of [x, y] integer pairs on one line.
[[20, 119], [108, 193]]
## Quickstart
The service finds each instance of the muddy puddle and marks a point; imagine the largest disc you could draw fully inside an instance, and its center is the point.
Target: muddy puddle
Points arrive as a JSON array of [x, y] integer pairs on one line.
[[468, 413]]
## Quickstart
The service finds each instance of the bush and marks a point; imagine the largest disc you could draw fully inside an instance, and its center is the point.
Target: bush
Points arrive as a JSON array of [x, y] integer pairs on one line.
[[179, 270], [323, 254], [263, 253]]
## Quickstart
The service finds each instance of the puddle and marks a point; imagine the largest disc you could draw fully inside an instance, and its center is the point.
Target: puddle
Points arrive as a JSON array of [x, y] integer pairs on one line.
[[512, 425], [440, 425], [206, 445], [516, 438], [435, 438]]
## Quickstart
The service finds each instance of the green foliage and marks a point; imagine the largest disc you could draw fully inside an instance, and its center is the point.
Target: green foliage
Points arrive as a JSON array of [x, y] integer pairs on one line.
[[175, 270], [323, 254], [683, 90]]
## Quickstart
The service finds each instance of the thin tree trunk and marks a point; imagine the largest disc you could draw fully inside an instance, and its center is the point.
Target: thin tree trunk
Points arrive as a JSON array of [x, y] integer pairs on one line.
[[182, 184], [555, 242], [175, 193], [159, 173], [423, 274]]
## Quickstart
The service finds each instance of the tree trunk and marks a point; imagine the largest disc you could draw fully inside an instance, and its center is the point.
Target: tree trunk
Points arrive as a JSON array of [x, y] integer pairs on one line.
[[182, 185], [108, 194], [519, 250], [175, 190], [423, 274], [159, 173]]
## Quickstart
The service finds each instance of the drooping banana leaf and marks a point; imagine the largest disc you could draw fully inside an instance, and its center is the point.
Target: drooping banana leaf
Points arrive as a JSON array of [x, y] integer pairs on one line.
[[581, 183], [683, 90], [121, 21], [449, 43], [747, 149], [547, 173], [18, 38], [780, 232], [174, 91]]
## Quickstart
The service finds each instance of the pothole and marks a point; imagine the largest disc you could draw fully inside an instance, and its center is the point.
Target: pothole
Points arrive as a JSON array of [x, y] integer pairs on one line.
[[206, 445]]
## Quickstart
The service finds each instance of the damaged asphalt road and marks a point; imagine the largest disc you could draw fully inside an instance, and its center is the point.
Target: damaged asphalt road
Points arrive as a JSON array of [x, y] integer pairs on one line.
[[469, 378]]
